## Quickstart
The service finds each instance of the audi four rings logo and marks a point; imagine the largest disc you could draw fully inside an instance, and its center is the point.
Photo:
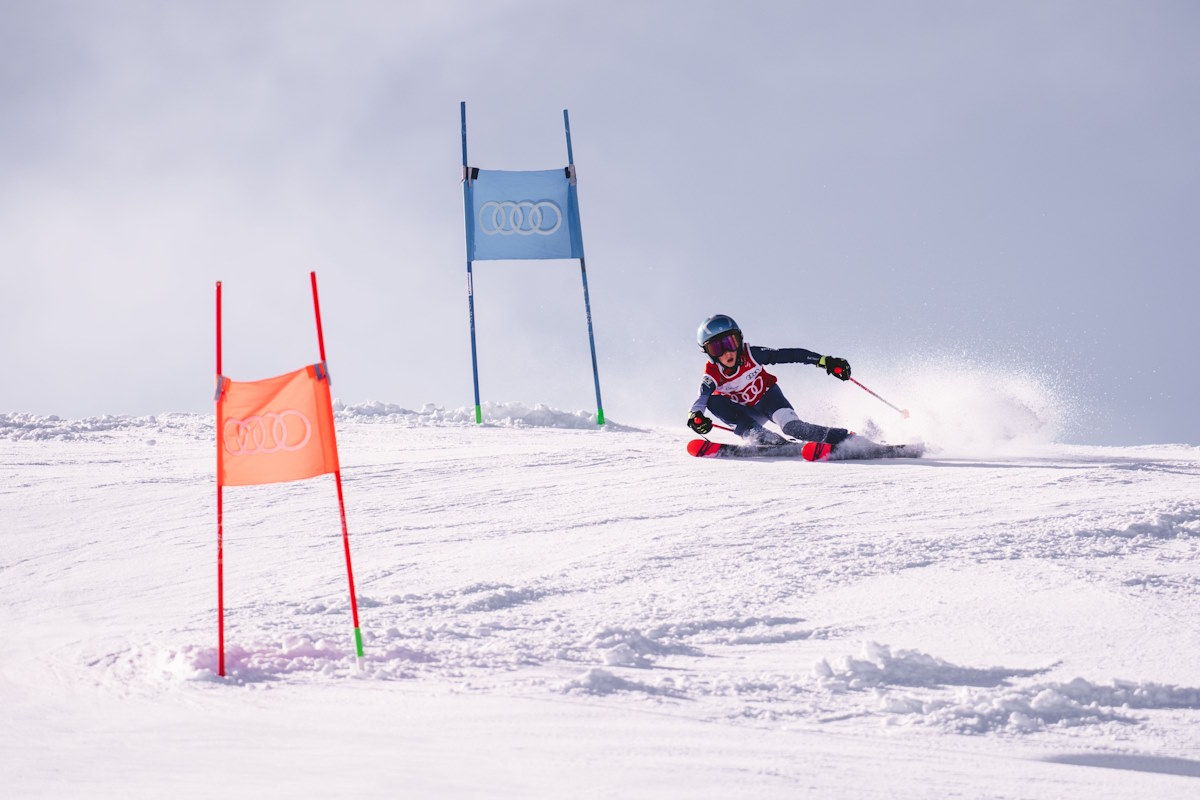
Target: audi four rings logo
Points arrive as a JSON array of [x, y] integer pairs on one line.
[[525, 218], [286, 431]]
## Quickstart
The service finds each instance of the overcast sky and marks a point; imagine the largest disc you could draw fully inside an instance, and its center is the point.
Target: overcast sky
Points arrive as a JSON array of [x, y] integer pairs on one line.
[[1013, 185]]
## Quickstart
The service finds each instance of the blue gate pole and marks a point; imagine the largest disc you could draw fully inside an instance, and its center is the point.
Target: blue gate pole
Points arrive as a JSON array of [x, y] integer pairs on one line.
[[587, 303], [470, 252]]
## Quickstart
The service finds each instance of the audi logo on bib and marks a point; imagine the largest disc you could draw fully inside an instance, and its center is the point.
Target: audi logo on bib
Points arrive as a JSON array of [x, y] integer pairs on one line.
[[524, 218], [750, 395], [287, 431]]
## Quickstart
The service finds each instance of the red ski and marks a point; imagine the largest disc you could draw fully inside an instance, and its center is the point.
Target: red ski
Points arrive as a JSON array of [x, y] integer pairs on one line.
[[855, 447]]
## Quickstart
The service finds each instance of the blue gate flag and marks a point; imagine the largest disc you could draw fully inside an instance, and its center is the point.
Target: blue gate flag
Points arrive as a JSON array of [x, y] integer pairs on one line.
[[523, 215]]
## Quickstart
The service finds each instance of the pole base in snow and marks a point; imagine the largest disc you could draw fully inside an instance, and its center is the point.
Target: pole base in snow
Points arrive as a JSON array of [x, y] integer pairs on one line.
[[478, 415], [599, 416]]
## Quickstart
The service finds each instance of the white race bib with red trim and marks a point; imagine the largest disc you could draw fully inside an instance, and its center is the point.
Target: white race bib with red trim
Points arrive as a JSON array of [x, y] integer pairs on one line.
[[747, 385]]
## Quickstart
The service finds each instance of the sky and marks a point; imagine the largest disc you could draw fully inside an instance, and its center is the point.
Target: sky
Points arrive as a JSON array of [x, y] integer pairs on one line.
[[922, 188]]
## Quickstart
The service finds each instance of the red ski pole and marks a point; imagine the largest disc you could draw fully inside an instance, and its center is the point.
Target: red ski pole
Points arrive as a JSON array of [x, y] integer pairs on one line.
[[722, 427], [903, 411]]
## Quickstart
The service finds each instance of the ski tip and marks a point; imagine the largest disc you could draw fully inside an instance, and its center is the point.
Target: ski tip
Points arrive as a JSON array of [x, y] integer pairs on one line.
[[702, 448], [815, 451]]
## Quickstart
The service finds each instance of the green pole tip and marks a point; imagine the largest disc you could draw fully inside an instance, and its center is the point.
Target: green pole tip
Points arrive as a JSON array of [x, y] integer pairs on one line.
[[599, 416], [358, 642], [478, 415]]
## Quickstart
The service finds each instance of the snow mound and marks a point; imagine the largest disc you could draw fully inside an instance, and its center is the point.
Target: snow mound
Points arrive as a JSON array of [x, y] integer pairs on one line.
[[1181, 520], [296, 657], [19, 427], [244, 664], [983, 700], [1078, 702], [505, 415]]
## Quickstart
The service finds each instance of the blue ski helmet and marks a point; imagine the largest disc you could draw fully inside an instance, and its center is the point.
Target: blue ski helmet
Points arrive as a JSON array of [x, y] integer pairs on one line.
[[714, 327]]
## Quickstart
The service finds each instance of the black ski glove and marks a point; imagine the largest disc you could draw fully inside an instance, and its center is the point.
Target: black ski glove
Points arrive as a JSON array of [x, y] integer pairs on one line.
[[837, 367], [699, 423]]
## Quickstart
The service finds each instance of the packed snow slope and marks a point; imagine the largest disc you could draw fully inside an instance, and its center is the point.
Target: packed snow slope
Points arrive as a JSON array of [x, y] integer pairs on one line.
[[552, 610]]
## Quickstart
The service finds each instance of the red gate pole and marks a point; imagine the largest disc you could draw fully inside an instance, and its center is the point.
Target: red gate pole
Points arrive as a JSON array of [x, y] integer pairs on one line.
[[358, 643], [220, 506]]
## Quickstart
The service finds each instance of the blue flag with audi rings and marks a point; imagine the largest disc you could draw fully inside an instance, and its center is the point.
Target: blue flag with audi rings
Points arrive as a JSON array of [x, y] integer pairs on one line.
[[524, 215]]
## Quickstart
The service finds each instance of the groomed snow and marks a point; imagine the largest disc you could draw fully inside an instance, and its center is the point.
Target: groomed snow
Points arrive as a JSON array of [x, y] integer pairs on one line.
[[553, 610]]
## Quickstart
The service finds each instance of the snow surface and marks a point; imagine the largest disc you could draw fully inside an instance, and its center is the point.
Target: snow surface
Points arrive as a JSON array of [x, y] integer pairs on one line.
[[553, 610]]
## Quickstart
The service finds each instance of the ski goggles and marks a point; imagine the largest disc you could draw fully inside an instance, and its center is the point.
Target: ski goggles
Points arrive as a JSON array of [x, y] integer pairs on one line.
[[729, 343]]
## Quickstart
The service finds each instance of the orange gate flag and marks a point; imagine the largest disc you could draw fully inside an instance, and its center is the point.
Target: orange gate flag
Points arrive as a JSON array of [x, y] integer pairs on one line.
[[275, 430]]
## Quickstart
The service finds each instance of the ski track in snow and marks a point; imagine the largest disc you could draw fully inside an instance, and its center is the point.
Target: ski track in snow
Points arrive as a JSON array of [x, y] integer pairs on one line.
[[538, 557]]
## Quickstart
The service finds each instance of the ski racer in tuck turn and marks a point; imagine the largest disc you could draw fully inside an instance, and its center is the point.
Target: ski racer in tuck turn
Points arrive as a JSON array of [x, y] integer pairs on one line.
[[737, 389]]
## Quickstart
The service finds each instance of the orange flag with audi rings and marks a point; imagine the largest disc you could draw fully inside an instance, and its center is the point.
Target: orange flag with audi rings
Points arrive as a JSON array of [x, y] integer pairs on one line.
[[275, 430]]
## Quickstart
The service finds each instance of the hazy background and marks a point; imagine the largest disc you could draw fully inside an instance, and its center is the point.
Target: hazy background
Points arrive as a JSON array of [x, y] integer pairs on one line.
[[1007, 187]]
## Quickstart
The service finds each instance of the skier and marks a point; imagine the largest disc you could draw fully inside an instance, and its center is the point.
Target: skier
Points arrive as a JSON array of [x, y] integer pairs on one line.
[[745, 396]]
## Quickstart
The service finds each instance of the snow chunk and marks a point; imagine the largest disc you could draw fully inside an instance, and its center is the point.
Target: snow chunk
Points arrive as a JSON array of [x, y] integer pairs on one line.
[[631, 648], [878, 666], [602, 682]]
